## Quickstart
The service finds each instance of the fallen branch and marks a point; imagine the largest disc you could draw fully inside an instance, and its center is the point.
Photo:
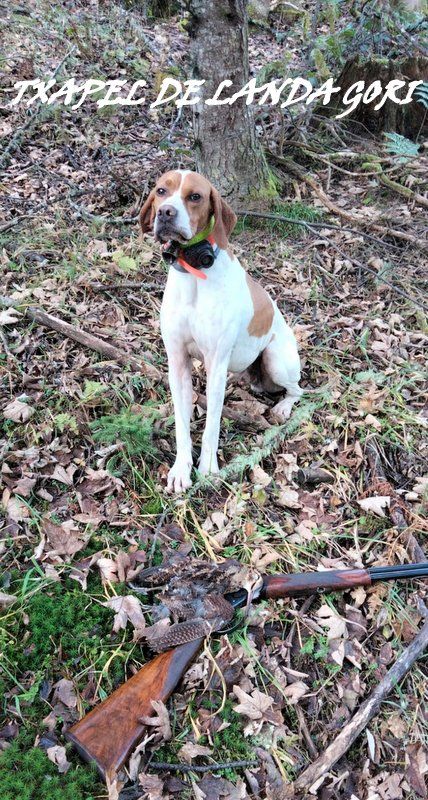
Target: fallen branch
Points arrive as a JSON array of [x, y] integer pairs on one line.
[[116, 354], [164, 766], [328, 203], [368, 710], [308, 225], [403, 190], [77, 335]]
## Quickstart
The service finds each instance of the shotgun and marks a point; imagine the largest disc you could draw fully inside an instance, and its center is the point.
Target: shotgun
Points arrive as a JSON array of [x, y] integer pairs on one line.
[[109, 732]]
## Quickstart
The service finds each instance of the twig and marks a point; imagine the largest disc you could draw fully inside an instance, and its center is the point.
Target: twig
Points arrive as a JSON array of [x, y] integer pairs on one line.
[[86, 339], [328, 203], [373, 272], [116, 354], [156, 533], [163, 765], [117, 287], [99, 217], [305, 224], [310, 226], [368, 710], [403, 190], [13, 222]]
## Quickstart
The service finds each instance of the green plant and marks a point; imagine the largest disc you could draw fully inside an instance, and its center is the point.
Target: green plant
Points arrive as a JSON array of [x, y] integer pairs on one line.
[[298, 211], [134, 430], [399, 145], [421, 94], [26, 774]]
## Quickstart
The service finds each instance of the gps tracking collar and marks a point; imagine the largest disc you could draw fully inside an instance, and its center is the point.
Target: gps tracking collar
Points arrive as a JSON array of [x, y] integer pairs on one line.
[[198, 253]]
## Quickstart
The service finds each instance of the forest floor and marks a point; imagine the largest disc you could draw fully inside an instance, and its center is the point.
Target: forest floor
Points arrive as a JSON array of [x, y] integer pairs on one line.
[[86, 442]]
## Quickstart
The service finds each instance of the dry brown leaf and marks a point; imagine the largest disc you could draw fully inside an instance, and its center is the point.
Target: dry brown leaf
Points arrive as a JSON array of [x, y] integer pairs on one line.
[[108, 570], [295, 691], [152, 787], [160, 720], [289, 498], [259, 477], [57, 754], [8, 316], [6, 600], [65, 692], [127, 609], [64, 539], [330, 619], [18, 411], [253, 706], [15, 508], [191, 750], [375, 504]]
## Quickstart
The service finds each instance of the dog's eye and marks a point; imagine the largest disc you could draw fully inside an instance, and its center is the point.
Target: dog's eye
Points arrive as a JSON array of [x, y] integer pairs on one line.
[[194, 197], [161, 190]]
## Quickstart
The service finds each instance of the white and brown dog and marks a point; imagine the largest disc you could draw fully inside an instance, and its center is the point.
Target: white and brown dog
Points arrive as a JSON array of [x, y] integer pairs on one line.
[[218, 314]]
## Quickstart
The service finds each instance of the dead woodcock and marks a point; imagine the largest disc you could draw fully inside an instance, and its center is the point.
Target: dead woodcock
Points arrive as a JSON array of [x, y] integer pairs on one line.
[[193, 594]]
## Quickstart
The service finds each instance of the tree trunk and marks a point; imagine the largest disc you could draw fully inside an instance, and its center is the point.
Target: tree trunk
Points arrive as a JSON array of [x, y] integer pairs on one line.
[[227, 149], [407, 120]]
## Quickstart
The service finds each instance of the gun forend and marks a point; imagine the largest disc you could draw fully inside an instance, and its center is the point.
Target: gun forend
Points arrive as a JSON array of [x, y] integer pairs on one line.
[[301, 583], [113, 728]]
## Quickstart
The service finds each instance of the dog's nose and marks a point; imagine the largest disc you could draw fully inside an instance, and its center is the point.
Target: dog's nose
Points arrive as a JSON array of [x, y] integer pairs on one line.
[[167, 213]]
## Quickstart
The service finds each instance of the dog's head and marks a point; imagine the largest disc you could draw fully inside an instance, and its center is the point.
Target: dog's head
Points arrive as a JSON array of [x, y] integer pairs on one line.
[[182, 204]]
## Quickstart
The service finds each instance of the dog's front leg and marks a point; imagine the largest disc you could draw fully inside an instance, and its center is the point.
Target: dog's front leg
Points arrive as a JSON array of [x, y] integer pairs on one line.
[[216, 385], [180, 381]]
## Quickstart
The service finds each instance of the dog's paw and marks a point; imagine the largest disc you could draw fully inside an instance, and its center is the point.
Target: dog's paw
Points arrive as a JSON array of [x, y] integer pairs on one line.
[[179, 477], [281, 412], [208, 464]]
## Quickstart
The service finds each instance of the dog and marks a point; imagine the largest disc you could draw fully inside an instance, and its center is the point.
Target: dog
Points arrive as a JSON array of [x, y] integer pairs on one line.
[[212, 309]]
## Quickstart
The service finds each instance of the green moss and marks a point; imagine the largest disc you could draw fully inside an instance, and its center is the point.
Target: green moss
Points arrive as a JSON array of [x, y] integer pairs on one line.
[[61, 623], [26, 774], [59, 629]]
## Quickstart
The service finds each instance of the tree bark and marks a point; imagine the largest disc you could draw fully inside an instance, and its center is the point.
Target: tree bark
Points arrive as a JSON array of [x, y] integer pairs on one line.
[[408, 120], [227, 150]]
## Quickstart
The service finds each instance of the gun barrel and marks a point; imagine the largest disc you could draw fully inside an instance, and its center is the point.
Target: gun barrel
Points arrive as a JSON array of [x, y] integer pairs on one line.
[[389, 573]]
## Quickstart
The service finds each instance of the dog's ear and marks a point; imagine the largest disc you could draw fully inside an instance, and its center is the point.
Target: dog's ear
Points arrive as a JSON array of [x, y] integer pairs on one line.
[[147, 213], [225, 219]]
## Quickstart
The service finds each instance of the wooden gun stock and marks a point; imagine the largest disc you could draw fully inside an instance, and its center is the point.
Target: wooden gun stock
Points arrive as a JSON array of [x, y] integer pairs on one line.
[[109, 733]]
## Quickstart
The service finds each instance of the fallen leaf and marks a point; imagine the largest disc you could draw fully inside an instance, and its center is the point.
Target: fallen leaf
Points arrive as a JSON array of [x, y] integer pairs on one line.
[[65, 692], [260, 477], [127, 609], [289, 498], [375, 504], [190, 751], [9, 316], [161, 721], [152, 787], [57, 755], [253, 706], [295, 691], [330, 619], [108, 570], [6, 600], [18, 411], [63, 539]]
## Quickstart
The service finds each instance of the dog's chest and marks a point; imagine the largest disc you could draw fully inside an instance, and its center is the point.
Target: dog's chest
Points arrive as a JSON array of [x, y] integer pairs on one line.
[[205, 308]]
